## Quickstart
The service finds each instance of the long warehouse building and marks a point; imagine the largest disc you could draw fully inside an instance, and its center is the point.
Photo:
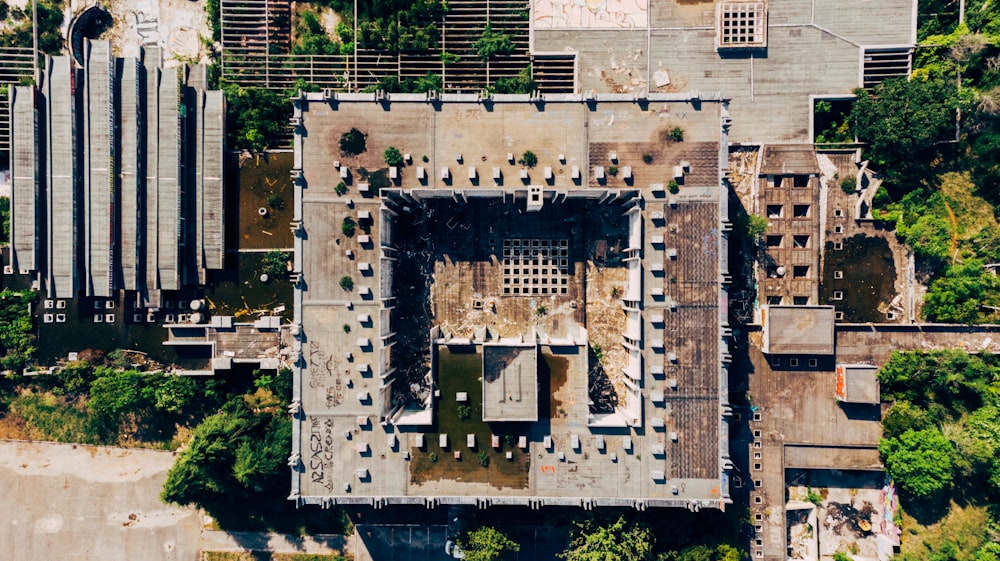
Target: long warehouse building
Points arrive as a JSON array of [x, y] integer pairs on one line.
[[110, 163]]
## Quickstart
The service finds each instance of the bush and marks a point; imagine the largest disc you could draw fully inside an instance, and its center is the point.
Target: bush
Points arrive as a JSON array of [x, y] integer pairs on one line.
[[276, 202], [392, 157], [849, 185], [484, 458], [920, 461], [347, 283], [612, 170], [347, 228], [274, 264], [529, 159], [353, 143], [464, 412], [647, 158], [677, 134], [492, 44], [341, 188], [673, 187], [255, 117]]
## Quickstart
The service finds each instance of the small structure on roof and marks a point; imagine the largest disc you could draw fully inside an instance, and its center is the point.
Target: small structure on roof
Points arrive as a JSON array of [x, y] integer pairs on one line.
[[857, 383], [798, 330], [510, 381]]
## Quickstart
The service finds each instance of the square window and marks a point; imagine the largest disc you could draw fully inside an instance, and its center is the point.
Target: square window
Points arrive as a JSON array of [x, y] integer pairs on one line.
[[757, 445], [759, 553], [758, 500], [838, 229], [774, 240], [800, 181], [758, 483], [737, 416], [756, 433], [758, 528], [839, 316], [800, 211], [838, 245], [793, 362], [775, 362], [813, 363], [737, 482], [757, 455], [800, 241], [756, 417], [757, 467], [759, 542], [758, 517], [774, 300], [838, 274], [774, 211], [800, 271], [838, 295], [838, 212], [800, 300]]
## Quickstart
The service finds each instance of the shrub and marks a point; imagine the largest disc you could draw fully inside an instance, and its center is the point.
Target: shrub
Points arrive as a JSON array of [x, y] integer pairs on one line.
[[347, 328], [392, 157], [484, 458], [647, 158], [849, 185], [425, 158], [612, 170], [341, 188], [276, 202], [433, 457], [353, 142], [274, 264], [347, 228], [347, 283], [529, 159], [673, 187], [677, 134], [464, 412]]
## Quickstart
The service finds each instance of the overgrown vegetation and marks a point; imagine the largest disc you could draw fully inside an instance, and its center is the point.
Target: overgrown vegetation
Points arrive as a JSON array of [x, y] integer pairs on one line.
[[492, 44], [256, 118], [393, 25], [275, 264], [310, 37], [18, 32], [17, 338], [941, 442], [935, 139]]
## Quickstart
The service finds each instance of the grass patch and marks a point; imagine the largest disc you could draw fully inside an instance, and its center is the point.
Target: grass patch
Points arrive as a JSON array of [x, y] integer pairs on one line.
[[964, 528], [45, 416]]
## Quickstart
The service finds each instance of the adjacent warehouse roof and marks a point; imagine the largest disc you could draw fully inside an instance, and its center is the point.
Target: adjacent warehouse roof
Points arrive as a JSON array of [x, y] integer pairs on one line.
[[113, 217], [798, 330]]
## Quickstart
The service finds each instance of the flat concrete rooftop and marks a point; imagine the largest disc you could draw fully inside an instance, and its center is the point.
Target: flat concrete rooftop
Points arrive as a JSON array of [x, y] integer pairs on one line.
[[429, 260]]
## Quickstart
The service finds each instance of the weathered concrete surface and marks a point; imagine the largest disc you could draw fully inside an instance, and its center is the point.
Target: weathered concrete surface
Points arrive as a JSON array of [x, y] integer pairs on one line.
[[68, 502]]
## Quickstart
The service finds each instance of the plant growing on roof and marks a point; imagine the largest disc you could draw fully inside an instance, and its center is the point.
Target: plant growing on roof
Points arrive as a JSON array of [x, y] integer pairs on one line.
[[353, 142], [529, 159], [673, 187], [392, 157], [347, 283], [347, 228], [612, 170], [341, 188], [647, 158], [677, 134]]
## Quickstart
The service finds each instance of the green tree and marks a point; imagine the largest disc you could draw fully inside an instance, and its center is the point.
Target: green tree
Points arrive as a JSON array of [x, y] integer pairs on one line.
[[529, 159], [958, 295], [255, 117], [920, 461], [17, 339], [492, 44], [311, 37], [487, 544], [901, 122], [392, 157], [620, 540]]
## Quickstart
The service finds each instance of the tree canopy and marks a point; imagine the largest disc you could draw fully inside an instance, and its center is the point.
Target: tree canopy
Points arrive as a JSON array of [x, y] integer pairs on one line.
[[255, 117], [619, 540], [920, 461], [901, 122], [487, 544]]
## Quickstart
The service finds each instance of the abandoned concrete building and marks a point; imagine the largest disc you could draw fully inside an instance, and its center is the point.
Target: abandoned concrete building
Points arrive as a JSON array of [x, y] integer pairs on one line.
[[117, 174], [529, 308]]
